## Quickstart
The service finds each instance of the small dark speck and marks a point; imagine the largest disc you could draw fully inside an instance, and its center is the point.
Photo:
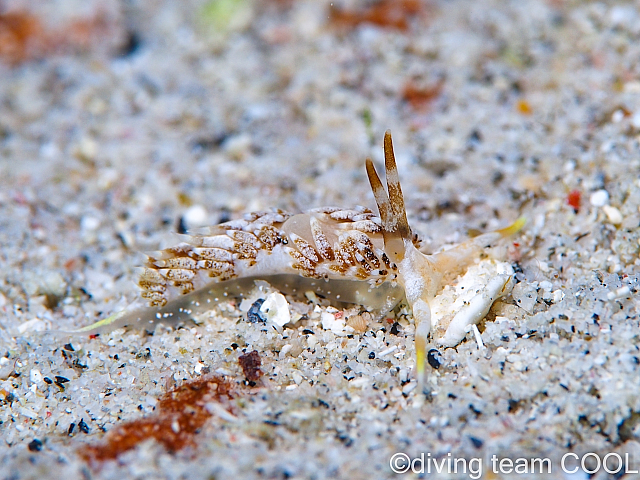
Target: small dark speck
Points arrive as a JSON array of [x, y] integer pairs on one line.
[[72, 427], [68, 347], [181, 227], [60, 381], [475, 136], [209, 143], [225, 216], [372, 355], [234, 346], [476, 442], [35, 445], [47, 380], [395, 328], [434, 357], [131, 44], [474, 409], [84, 428], [306, 331]]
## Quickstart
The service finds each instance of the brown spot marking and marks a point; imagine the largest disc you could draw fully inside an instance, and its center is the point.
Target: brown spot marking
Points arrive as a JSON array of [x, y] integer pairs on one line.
[[221, 270], [213, 253], [151, 287], [250, 363], [305, 248], [304, 265], [362, 273], [217, 268], [270, 237], [177, 262], [369, 251], [321, 240], [338, 268], [386, 260], [156, 299], [180, 250], [185, 287], [372, 258], [350, 252], [151, 274], [179, 416], [245, 251], [178, 274], [367, 226], [245, 238]]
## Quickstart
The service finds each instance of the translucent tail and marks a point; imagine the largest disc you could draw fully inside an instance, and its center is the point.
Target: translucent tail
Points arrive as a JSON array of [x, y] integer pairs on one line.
[[455, 261]]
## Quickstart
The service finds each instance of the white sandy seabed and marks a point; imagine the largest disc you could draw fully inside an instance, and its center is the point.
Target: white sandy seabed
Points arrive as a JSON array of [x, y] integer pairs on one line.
[[103, 156]]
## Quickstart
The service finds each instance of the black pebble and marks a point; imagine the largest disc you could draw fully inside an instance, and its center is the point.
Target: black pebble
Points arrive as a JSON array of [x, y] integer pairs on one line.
[[35, 445], [372, 355], [254, 315], [182, 226], [84, 428], [476, 442], [434, 358], [130, 45]]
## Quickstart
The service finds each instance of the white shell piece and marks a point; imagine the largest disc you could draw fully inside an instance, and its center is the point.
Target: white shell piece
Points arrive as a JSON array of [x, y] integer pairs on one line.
[[473, 289], [476, 309], [330, 322], [276, 309]]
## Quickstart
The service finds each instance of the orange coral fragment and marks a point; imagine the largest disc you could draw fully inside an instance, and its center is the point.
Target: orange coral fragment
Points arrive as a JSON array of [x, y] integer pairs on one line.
[[251, 363], [523, 107], [180, 414], [21, 36], [420, 97], [385, 13], [574, 199]]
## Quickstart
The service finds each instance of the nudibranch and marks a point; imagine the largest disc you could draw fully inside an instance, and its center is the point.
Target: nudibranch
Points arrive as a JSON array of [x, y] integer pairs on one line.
[[350, 255]]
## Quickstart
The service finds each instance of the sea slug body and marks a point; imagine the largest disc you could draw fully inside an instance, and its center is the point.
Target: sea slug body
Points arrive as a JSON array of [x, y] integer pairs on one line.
[[364, 258]]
